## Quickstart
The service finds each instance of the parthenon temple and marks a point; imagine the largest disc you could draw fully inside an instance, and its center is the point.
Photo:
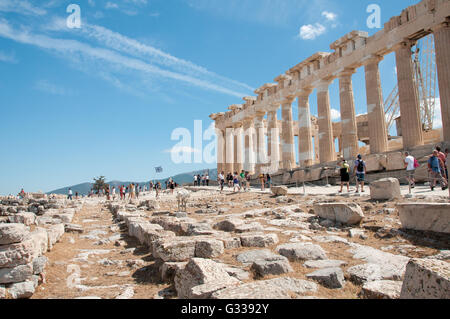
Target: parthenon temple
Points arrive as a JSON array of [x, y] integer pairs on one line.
[[248, 141]]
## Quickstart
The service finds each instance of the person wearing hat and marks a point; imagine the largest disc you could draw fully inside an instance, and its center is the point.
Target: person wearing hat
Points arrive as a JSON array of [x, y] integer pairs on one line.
[[360, 172]]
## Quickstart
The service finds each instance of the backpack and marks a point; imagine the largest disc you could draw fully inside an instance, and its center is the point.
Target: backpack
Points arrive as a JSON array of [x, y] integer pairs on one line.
[[416, 163], [360, 166]]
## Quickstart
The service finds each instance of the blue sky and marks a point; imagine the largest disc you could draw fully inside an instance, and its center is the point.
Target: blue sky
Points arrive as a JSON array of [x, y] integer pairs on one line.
[[105, 98]]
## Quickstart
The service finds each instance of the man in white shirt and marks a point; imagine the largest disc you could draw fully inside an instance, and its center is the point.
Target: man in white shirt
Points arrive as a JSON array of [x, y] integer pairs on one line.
[[195, 180], [410, 169]]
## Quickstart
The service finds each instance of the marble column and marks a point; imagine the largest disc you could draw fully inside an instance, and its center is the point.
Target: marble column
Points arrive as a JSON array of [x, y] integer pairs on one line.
[[261, 157], [273, 138], [249, 161], [411, 123], [305, 144], [238, 154], [221, 150], [378, 138], [326, 143], [349, 137], [229, 158], [442, 47], [288, 136]]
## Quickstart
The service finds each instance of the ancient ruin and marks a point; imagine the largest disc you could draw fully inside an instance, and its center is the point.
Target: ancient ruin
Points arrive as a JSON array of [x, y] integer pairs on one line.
[[242, 131]]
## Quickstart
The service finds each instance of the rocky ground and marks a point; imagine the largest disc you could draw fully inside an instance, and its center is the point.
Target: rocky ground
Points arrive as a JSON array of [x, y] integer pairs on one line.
[[235, 245]]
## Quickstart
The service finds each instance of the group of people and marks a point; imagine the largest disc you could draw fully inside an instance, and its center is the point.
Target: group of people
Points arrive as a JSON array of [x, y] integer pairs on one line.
[[437, 168], [241, 181], [201, 180]]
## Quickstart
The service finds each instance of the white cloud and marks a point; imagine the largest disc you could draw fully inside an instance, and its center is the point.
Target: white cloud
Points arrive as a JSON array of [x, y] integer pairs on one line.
[[20, 6], [73, 49], [310, 32], [47, 87], [111, 5], [7, 57], [335, 115], [330, 16], [437, 119]]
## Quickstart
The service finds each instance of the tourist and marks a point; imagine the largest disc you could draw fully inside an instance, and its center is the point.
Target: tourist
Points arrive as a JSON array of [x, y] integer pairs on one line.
[[121, 192], [446, 163], [114, 193], [138, 190], [345, 175], [262, 181], [230, 180], [199, 179], [242, 176], [107, 193], [411, 165], [435, 169], [157, 189], [195, 180], [21, 194], [76, 195], [268, 180], [69, 196], [236, 182], [221, 181], [360, 172], [207, 180], [172, 186], [248, 177]]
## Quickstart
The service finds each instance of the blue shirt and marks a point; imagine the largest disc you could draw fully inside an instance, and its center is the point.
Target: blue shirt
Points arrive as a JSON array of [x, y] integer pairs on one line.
[[434, 163]]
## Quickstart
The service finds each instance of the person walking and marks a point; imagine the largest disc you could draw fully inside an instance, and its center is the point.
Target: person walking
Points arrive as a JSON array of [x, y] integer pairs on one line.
[[114, 193], [138, 190], [345, 175], [435, 168], [248, 177], [195, 180], [69, 196], [411, 164], [207, 180], [236, 182], [242, 179], [121, 192], [221, 180], [360, 172], [262, 181], [268, 180], [172, 186]]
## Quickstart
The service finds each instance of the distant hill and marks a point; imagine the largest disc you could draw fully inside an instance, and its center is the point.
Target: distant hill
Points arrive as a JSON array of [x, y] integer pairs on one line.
[[185, 178]]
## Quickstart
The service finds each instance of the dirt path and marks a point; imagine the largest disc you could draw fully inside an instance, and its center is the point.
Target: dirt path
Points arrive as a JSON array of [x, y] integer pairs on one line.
[[103, 261]]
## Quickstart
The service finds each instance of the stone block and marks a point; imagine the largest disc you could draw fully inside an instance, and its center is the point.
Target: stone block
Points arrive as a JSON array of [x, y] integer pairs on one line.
[[385, 189], [346, 213], [279, 190], [395, 161], [426, 279], [302, 251], [259, 240], [209, 248], [433, 217], [12, 233], [332, 278], [18, 254], [263, 268], [17, 274], [23, 218], [174, 248], [381, 289]]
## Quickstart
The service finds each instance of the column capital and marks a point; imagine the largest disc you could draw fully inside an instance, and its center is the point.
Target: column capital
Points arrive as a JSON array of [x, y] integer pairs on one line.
[[372, 59], [441, 25], [237, 125], [323, 85], [346, 72], [260, 114], [405, 44], [288, 100], [305, 92]]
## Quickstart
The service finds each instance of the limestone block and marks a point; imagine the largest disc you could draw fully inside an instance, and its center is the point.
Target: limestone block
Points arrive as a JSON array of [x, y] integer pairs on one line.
[[278, 288], [324, 263], [40, 238], [23, 218], [251, 227], [209, 248], [279, 190], [381, 289], [332, 278], [302, 251], [259, 240], [426, 279], [251, 256], [375, 162], [151, 236], [22, 290], [17, 274], [346, 213], [433, 217], [200, 272], [174, 248], [395, 161], [54, 232], [12, 233], [230, 243], [169, 269], [263, 268], [18, 254], [229, 225], [385, 189], [39, 265]]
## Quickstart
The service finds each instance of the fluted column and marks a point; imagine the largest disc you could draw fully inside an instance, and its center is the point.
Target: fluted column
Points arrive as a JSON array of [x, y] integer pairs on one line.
[[238, 154], [249, 161], [261, 157], [411, 123], [442, 47], [349, 140], [326, 143], [305, 145], [288, 136], [273, 138], [221, 150], [229, 163], [378, 138]]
